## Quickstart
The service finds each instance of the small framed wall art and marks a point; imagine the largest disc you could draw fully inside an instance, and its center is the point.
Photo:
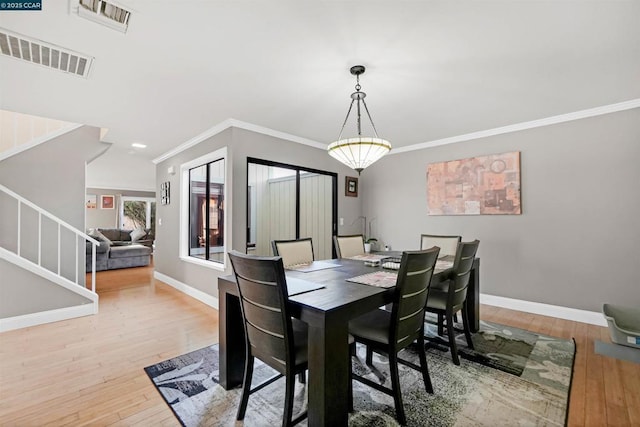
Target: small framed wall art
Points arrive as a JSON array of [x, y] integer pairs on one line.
[[351, 186], [165, 193], [92, 201], [107, 202]]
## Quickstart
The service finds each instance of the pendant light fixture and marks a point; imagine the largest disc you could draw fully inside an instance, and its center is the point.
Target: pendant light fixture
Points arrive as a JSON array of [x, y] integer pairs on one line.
[[361, 151]]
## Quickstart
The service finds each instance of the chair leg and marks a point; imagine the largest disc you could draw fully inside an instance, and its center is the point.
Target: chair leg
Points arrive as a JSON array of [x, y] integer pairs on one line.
[[246, 388], [302, 377], [395, 385], [423, 365], [369, 358], [290, 384], [440, 324], [452, 339], [351, 351], [465, 325]]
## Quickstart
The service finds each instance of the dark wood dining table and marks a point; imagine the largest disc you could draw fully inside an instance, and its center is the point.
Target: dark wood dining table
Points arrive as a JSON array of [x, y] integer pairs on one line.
[[327, 311]]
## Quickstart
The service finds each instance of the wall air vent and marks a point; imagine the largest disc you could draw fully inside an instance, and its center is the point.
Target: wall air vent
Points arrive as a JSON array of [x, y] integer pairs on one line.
[[42, 53], [108, 13]]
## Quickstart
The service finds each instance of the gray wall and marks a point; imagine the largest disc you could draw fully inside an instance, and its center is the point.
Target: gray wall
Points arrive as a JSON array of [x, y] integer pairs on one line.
[[241, 144], [108, 218], [51, 175], [49, 297], [575, 245]]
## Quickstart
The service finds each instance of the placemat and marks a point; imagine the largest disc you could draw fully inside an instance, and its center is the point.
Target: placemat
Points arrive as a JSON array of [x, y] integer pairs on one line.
[[394, 264], [299, 286], [368, 257], [443, 265], [313, 266], [380, 279]]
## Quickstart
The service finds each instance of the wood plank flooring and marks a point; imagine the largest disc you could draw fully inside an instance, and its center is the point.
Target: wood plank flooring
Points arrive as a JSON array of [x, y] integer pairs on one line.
[[89, 371]]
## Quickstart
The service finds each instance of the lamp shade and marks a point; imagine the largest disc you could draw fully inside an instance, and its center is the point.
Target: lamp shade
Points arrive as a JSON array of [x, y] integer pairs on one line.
[[360, 152]]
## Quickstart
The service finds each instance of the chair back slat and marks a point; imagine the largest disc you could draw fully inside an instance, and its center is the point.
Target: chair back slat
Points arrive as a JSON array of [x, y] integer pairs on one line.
[[412, 290], [260, 293], [268, 319], [263, 296], [447, 244], [267, 347], [348, 246], [461, 273], [294, 252]]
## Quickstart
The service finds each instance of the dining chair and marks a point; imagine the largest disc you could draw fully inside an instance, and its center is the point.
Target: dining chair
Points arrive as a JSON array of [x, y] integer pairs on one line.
[[271, 335], [348, 246], [447, 244], [446, 302], [294, 252], [389, 332]]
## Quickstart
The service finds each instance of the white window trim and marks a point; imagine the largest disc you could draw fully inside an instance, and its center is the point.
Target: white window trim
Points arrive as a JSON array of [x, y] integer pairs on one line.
[[184, 209], [148, 201]]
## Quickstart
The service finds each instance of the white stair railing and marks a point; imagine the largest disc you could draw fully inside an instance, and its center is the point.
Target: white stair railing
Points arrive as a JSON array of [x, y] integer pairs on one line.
[[79, 236]]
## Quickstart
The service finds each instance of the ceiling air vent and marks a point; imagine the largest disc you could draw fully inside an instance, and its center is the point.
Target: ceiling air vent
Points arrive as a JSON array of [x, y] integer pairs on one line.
[[108, 13], [45, 54]]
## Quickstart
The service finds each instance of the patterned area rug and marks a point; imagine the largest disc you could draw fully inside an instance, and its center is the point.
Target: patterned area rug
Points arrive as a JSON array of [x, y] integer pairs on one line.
[[501, 347], [471, 394]]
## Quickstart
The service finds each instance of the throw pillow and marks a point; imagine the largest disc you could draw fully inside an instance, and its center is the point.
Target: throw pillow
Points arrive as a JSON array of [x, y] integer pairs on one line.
[[99, 236], [137, 234]]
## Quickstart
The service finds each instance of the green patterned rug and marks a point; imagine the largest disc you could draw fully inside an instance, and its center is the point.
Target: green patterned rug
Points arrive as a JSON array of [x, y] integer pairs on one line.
[[505, 348], [472, 394]]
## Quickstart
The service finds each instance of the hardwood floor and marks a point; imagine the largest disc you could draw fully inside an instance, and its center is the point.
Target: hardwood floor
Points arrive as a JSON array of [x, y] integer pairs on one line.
[[89, 371]]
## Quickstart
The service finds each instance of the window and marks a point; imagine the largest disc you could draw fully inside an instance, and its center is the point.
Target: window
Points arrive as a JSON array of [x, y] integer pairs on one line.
[[203, 220], [290, 202], [138, 212]]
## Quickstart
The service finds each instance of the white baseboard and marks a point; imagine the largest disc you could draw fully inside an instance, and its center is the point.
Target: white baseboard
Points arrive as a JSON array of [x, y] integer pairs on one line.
[[47, 274], [584, 316], [50, 316], [203, 297]]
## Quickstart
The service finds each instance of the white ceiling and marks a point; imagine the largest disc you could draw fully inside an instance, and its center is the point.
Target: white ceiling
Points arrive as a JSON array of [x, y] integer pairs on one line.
[[435, 69]]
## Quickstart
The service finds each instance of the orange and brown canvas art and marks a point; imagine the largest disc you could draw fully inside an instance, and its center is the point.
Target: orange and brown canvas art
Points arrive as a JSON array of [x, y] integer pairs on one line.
[[486, 185]]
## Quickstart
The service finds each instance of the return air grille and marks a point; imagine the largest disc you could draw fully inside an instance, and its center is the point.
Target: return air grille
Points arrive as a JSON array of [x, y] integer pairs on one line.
[[106, 13], [42, 53]]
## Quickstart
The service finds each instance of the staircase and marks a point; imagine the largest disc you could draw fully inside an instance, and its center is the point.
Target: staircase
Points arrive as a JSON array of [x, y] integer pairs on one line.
[[38, 241]]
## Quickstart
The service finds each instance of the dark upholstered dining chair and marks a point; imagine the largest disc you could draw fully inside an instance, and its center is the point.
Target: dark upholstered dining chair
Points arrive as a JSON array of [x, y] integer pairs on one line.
[[389, 332], [348, 246], [294, 252], [447, 244], [271, 334], [445, 302]]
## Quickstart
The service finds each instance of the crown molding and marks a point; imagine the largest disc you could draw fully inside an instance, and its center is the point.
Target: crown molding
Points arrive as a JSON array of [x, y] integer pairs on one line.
[[119, 188], [562, 118], [222, 126]]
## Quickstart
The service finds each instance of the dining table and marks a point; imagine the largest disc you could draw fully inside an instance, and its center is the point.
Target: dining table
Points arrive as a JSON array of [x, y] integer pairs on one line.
[[327, 312]]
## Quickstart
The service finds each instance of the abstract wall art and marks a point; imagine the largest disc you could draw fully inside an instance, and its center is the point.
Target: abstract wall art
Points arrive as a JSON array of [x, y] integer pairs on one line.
[[486, 185]]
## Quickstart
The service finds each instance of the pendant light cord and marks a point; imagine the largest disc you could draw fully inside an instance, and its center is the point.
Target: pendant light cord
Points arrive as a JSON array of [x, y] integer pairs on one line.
[[358, 119]]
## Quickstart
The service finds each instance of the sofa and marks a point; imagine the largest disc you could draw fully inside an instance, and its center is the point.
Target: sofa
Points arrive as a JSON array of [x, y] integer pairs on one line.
[[119, 237], [120, 252]]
